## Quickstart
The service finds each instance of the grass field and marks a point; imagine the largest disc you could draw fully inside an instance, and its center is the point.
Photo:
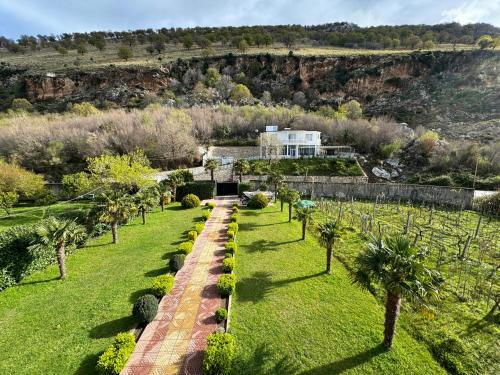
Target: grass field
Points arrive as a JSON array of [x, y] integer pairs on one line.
[[54, 327], [26, 214], [289, 317], [52, 61]]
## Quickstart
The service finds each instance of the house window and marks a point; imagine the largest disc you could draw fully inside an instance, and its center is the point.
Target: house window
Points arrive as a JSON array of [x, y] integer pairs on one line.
[[309, 137], [292, 137]]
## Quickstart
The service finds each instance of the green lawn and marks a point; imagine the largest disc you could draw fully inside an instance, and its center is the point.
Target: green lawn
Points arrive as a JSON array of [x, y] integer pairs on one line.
[[289, 317], [26, 214], [54, 327]]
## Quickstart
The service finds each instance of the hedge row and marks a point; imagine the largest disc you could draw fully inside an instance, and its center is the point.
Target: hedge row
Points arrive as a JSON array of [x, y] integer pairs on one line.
[[202, 189], [115, 357]]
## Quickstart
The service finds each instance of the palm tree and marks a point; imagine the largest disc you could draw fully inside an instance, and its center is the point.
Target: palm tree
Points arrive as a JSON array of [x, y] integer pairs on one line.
[[329, 232], [275, 178], [282, 193], [399, 268], [58, 235], [304, 215], [211, 165], [116, 209], [241, 166], [174, 181], [165, 198], [291, 197], [145, 201]]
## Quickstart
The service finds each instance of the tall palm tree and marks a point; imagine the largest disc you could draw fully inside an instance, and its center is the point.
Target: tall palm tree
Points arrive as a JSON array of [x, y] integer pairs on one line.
[[241, 166], [58, 235], [116, 209], [304, 215], [211, 165], [291, 197], [329, 232], [282, 193], [146, 200], [399, 268], [275, 178]]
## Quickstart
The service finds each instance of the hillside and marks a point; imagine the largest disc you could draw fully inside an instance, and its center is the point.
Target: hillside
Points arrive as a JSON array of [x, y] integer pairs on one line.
[[456, 93]]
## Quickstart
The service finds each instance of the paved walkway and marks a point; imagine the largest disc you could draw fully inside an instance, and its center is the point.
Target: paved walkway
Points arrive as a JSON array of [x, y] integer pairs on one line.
[[175, 341]]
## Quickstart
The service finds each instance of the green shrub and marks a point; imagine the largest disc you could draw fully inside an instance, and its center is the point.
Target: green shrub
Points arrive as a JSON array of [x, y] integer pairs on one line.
[[228, 255], [231, 235], [185, 247], [219, 355], [199, 228], [228, 265], [115, 357], [226, 284], [162, 285], [210, 205], [190, 201], [236, 210], [258, 201], [203, 189], [192, 234], [231, 247], [233, 218], [177, 262], [205, 215], [145, 308], [235, 205], [220, 314], [234, 227]]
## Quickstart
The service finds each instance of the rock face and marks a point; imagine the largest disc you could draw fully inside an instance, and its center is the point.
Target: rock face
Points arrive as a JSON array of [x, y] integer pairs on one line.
[[457, 93]]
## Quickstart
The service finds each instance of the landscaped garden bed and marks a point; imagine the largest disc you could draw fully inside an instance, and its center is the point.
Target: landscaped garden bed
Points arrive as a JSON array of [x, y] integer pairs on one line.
[[309, 166]]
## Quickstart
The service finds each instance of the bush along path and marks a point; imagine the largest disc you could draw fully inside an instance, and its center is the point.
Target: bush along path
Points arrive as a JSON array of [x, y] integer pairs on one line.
[[174, 342]]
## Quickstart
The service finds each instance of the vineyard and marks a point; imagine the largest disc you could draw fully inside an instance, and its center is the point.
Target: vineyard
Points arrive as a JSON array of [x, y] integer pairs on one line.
[[460, 328]]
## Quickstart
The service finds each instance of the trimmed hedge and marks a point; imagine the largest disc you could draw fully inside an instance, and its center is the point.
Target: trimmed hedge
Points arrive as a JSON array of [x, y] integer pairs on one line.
[[205, 215], [199, 228], [177, 262], [185, 247], [258, 201], [231, 235], [228, 255], [115, 357], [145, 308], [211, 205], [242, 186], [231, 247], [190, 201], [192, 235], [162, 285], [228, 265], [226, 284], [219, 355], [234, 227], [220, 314], [233, 218], [203, 189]]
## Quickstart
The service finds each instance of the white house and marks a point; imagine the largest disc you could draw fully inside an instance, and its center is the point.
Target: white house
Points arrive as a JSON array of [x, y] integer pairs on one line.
[[289, 143]]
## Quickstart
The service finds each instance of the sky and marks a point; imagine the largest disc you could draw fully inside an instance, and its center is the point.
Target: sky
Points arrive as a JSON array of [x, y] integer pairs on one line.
[[57, 16]]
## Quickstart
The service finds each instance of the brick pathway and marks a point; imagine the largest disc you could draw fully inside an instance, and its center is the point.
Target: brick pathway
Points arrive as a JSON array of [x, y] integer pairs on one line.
[[174, 342]]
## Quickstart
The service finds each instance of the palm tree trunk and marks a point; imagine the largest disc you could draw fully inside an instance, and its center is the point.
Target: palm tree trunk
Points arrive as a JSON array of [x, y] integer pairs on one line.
[[304, 224], [392, 306], [143, 214], [114, 231], [162, 202], [281, 201], [212, 174], [329, 254], [61, 260], [241, 176], [175, 193], [289, 211]]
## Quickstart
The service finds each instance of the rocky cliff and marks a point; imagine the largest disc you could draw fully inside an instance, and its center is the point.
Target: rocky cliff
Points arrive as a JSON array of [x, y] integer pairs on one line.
[[454, 92]]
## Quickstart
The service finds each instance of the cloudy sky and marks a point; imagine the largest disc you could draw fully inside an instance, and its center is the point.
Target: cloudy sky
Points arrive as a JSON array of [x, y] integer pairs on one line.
[[55, 16]]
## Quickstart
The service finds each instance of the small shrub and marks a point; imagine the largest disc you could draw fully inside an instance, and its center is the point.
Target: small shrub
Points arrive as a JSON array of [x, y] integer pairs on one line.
[[199, 228], [162, 285], [236, 210], [226, 285], [233, 218], [206, 215], [145, 308], [185, 247], [231, 235], [221, 315], [235, 205], [177, 262], [258, 201], [192, 234], [228, 255], [228, 265], [219, 355], [234, 227], [190, 201], [210, 205], [115, 357], [231, 247]]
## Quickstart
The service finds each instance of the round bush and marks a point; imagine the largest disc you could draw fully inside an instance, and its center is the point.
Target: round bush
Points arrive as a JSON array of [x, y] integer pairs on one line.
[[235, 205], [199, 227], [205, 215], [228, 265], [231, 235], [258, 201], [226, 284], [231, 247], [185, 247], [236, 210], [233, 218], [177, 262], [192, 234], [145, 308], [228, 255], [162, 285], [234, 227], [190, 201], [219, 355], [211, 205], [221, 315]]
